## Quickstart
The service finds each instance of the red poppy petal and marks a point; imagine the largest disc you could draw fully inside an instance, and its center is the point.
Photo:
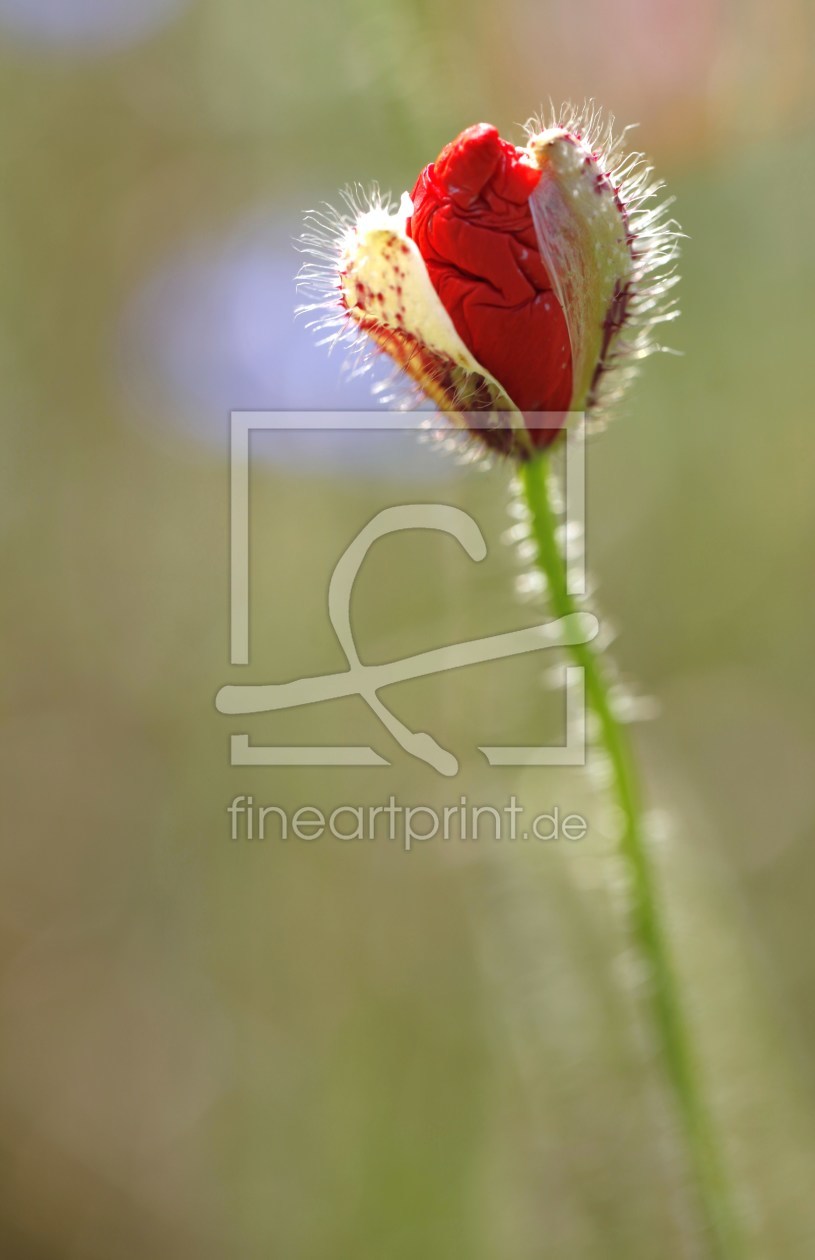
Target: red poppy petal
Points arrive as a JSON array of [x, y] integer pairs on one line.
[[473, 226]]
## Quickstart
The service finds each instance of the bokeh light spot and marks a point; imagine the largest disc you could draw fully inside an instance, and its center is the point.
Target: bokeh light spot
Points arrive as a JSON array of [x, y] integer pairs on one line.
[[86, 25]]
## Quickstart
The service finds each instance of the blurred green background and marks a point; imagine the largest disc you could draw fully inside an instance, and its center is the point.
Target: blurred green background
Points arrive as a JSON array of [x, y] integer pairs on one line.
[[337, 1050]]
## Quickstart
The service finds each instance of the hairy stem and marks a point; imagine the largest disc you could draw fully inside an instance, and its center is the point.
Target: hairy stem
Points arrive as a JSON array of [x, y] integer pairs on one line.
[[669, 1031]]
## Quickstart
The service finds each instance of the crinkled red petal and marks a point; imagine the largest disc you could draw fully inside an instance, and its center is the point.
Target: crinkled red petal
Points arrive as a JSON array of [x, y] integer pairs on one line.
[[473, 226]]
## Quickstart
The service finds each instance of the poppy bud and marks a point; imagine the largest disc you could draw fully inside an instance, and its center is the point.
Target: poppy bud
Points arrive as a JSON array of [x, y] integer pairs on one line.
[[511, 280]]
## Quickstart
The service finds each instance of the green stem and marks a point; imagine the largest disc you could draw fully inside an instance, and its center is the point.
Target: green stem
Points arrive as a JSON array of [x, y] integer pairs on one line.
[[645, 920]]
